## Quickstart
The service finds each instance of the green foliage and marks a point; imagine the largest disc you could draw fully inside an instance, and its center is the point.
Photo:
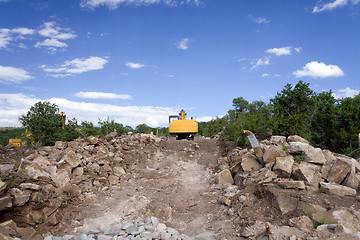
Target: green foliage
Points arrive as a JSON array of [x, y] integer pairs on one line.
[[88, 129], [43, 123], [10, 132], [13, 180], [299, 158]]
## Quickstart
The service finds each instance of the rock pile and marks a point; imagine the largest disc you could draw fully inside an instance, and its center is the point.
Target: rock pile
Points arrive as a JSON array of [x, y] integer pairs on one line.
[[290, 171]]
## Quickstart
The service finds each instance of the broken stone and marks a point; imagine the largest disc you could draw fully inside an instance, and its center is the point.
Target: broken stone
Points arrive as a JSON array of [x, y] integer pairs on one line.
[[339, 171], [224, 177], [266, 176], [206, 236], [37, 216], [283, 166], [72, 159], [224, 200], [333, 228], [72, 190], [2, 186], [31, 186], [286, 203], [302, 223], [272, 153], [253, 230], [338, 189], [351, 180], [92, 140], [5, 202], [298, 147], [113, 180], [249, 163], [314, 155], [61, 178], [296, 138], [292, 184], [26, 233], [278, 140], [330, 161], [307, 172], [78, 172], [60, 145], [5, 168], [19, 198]]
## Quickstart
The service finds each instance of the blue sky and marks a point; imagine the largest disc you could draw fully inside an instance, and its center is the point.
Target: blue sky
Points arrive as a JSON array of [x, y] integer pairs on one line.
[[138, 61]]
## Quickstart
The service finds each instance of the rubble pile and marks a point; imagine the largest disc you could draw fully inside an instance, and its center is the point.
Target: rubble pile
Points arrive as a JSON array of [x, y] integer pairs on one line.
[[312, 191]]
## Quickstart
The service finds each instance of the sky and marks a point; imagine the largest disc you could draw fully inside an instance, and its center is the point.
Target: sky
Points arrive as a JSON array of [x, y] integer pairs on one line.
[[139, 61]]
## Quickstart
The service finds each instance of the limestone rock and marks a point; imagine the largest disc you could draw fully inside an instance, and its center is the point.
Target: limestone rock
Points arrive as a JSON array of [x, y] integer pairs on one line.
[[77, 172], [19, 198], [330, 161], [60, 145], [296, 138], [61, 178], [283, 166], [113, 179], [31, 186], [272, 153], [348, 218], [5, 202], [72, 159], [339, 171], [307, 172], [118, 171], [249, 163], [278, 140], [289, 184], [224, 177], [286, 203], [314, 155], [266, 176], [2, 186], [206, 236], [333, 228], [302, 223], [338, 189], [298, 147], [92, 140]]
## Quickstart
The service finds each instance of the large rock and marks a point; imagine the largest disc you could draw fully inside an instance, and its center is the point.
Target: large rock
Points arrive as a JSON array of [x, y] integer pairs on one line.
[[118, 171], [31, 186], [298, 147], [249, 163], [296, 138], [351, 180], [60, 145], [272, 153], [206, 236], [92, 140], [286, 203], [333, 228], [36, 172], [224, 177], [5, 202], [314, 155], [338, 189], [61, 178], [2, 186], [330, 161], [307, 172], [265, 176], [283, 166], [72, 159], [339, 171], [291, 184], [278, 140], [302, 223]]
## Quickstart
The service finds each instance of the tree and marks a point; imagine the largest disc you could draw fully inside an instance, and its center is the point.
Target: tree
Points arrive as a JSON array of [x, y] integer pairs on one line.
[[143, 128], [240, 104], [292, 109], [88, 129], [43, 122]]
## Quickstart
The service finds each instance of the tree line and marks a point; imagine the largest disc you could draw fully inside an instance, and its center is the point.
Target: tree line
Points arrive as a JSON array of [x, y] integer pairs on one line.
[[322, 119]]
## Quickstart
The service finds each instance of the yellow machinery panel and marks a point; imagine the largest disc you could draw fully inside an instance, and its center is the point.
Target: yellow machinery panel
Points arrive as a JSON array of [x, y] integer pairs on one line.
[[182, 127], [15, 142]]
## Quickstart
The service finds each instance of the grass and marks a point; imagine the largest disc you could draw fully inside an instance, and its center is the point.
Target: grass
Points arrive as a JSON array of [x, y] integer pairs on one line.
[[299, 158], [321, 190]]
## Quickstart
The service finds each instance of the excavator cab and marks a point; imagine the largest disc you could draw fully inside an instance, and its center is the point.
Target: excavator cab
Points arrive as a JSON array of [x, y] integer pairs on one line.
[[181, 127]]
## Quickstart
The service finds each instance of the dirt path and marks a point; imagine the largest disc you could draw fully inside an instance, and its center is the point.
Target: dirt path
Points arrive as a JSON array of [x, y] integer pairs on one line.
[[172, 182]]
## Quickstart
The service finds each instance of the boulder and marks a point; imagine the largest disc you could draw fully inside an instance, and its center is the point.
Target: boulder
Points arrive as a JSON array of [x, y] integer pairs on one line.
[[266, 176], [31, 186], [2, 186], [224, 177], [298, 147], [60, 145], [302, 223], [92, 140], [19, 198], [351, 180], [272, 153], [330, 161], [339, 171], [314, 155], [307, 172], [334, 228], [61, 178], [283, 166], [296, 138], [290, 184], [78, 172], [348, 218], [286, 203], [338, 189], [5, 202], [278, 140], [35, 172], [72, 159], [206, 236], [250, 163]]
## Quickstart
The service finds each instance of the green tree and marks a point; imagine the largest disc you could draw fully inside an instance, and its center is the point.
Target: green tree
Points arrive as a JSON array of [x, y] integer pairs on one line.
[[43, 122], [292, 110], [88, 129], [107, 126], [143, 128], [240, 104]]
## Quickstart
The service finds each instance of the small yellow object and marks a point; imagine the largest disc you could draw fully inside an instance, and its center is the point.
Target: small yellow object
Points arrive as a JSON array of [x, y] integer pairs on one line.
[[15, 142], [182, 127]]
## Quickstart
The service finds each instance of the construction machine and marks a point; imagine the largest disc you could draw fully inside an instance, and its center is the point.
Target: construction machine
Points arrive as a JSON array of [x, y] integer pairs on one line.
[[181, 127]]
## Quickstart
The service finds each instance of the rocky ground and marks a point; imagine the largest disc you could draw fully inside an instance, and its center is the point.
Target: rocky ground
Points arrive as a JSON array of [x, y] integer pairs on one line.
[[145, 187]]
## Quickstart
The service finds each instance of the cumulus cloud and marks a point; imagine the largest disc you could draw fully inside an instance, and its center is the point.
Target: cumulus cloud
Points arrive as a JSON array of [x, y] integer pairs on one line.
[[5, 37], [280, 51], [134, 65], [13, 75], [183, 44], [78, 65], [102, 95], [50, 30], [344, 93], [319, 70], [204, 119], [51, 43], [332, 5], [260, 62], [113, 4], [259, 20], [23, 31]]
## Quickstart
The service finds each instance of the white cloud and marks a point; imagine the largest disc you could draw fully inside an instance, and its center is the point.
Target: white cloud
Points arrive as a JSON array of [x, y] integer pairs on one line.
[[102, 95], [204, 119], [259, 20], [51, 43], [23, 31], [78, 65], [347, 92], [260, 62], [50, 30], [153, 122], [5, 37], [13, 75], [297, 49], [184, 44], [332, 5], [113, 4], [319, 70], [280, 51], [265, 75], [134, 65]]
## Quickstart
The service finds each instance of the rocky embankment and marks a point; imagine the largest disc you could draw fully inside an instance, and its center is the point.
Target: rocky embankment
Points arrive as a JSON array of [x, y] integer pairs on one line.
[[123, 187]]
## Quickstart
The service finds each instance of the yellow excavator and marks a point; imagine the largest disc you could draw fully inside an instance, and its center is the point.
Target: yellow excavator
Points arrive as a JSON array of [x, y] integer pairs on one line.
[[181, 127]]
